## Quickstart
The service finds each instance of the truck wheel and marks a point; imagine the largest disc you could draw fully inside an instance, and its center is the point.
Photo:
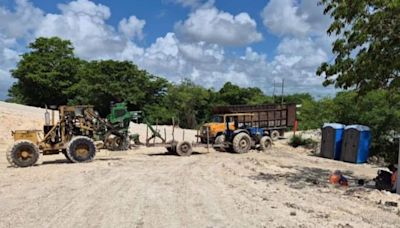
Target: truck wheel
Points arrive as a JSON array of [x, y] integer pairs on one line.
[[241, 143], [184, 148], [23, 153], [275, 135], [265, 143], [219, 141], [81, 149]]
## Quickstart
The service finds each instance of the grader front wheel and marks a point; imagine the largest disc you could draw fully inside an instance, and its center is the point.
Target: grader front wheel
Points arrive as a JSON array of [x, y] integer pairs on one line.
[[23, 153]]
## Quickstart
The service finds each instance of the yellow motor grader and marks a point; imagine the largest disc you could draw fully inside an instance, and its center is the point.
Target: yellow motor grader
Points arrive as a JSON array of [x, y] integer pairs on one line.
[[71, 135]]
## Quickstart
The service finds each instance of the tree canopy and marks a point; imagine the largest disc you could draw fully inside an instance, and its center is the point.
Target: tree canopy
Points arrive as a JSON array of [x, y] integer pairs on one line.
[[367, 45]]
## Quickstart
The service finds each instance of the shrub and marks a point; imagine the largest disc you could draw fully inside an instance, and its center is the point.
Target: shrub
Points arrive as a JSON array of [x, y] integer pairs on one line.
[[298, 140]]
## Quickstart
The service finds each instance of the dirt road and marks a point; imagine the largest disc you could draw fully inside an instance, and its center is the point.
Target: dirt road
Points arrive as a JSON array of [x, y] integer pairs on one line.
[[145, 188]]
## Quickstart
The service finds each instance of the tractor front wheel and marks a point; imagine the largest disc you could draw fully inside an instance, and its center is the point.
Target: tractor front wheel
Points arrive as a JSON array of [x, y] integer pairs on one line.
[[265, 143], [241, 143], [23, 153], [81, 149]]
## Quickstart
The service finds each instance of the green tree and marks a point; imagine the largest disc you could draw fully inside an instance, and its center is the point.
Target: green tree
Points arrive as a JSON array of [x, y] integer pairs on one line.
[[45, 73], [367, 50], [231, 94], [106, 81]]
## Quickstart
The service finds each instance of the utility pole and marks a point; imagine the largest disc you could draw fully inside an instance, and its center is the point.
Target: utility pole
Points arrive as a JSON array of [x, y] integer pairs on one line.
[[283, 85], [273, 93]]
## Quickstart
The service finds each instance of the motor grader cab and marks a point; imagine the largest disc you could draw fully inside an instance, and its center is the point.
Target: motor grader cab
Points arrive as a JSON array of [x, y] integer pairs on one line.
[[72, 134]]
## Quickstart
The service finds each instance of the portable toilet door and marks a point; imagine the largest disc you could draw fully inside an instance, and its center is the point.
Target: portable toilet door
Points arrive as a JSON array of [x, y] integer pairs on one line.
[[331, 142], [356, 141]]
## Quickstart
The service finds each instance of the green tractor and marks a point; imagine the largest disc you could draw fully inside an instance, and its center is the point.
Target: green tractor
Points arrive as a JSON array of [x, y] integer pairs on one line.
[[116, 135]]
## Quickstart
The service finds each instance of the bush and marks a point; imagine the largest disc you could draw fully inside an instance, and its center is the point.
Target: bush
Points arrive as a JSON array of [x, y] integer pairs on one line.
[[298, 140]]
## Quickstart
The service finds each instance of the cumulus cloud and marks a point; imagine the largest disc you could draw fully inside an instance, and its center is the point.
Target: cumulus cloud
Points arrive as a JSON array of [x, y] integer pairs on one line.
[[132, 27], [189, 3], [195, 50], [295, 18], [214, 26], [20, 22]]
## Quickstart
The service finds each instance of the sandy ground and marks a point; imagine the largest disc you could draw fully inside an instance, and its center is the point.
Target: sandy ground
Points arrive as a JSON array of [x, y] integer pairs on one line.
[[283, 187]]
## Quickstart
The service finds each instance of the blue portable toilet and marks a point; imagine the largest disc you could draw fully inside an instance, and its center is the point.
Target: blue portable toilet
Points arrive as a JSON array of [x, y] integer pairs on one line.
[[356, 142], [331, 142]]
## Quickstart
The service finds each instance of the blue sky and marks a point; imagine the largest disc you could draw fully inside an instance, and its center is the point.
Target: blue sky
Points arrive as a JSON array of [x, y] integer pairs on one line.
[[250, 43]]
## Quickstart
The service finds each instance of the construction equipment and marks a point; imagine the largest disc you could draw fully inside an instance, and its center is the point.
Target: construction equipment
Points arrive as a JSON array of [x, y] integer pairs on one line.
[[116, 136], [275, 118], [244, 135], [72, 135]]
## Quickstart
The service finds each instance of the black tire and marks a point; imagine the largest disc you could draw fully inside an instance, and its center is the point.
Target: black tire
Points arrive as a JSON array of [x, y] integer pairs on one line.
[[172, 146], [220, 140], [241, 143], [81, 149], [184, 148], [275, 135], [66, 156], [265, 143], [117, 143], [23, 153]]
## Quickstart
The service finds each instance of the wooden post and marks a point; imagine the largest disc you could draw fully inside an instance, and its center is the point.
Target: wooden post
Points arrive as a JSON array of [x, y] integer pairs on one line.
[[183, 135], [208, 141], [147, 135], [173, 129], [398, 173]]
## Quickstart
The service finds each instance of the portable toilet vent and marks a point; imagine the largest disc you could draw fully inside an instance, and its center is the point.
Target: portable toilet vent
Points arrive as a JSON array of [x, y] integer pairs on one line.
[[331, 143], [356, 142]]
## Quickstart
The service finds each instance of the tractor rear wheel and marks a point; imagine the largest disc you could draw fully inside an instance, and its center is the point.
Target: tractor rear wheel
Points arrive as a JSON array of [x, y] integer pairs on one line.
[[241, 143], [23, 153], [81, 149], [184, 148], [265, 143]]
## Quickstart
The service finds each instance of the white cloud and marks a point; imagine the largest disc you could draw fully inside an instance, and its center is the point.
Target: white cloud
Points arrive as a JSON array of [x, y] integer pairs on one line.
[[132, 27], [295, 18], [21, 22], [196, 51], [213, 26], [189, 3]]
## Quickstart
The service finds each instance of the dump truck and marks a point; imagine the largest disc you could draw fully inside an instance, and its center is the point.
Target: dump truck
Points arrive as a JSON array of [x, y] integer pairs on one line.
[[275, 118]]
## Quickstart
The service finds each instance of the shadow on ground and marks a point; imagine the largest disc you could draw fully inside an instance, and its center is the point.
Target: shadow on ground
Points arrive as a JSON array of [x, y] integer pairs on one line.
[[65, 161], [171, 154], [301, 177]]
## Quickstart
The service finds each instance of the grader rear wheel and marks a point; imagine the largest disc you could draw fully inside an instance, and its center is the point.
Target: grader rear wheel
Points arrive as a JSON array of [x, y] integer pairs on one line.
[[23, 153], [81, 149]]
